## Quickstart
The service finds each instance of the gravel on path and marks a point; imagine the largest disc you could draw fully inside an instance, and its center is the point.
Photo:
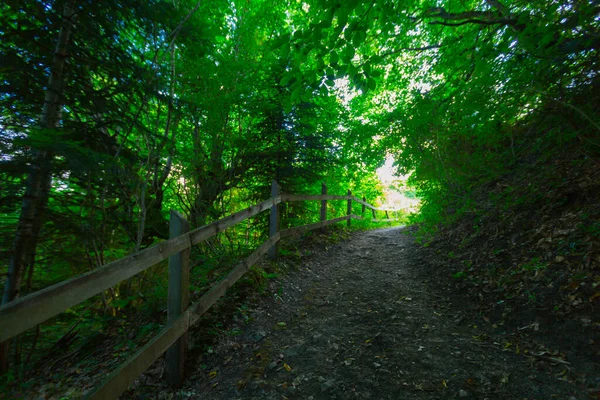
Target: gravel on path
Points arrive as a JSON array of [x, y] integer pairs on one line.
[[361, 321]]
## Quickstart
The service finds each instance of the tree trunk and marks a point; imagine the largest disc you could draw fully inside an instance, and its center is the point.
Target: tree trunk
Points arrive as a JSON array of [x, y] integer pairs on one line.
[[38, 182]]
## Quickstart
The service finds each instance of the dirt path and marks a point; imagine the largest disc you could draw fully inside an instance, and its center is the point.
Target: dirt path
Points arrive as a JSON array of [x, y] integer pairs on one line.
[[361, 321]]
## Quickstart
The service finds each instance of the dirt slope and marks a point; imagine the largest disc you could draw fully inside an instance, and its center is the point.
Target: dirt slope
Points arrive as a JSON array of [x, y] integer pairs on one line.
[[364, 320]]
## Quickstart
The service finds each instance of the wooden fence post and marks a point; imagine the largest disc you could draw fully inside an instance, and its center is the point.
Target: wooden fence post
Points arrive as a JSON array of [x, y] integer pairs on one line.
[[178, 299], [323, 206], [363, 206], [386, 215], [349, 212], [274, 221], [374, 214]]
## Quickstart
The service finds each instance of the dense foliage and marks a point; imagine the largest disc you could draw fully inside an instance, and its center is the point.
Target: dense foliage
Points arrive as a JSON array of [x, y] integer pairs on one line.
[[112, 113], [451, 86]]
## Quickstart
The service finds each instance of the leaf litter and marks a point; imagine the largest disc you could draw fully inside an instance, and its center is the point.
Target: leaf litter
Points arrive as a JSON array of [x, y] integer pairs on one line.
[[372, 329]]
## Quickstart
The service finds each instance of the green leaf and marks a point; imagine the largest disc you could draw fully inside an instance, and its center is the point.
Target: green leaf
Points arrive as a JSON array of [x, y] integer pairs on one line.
[[285, 52], [351, 4], [376, 59], [341, 70], [342, 19], [296, 94], [287, 106], [352, 70], [281, 40], [371, 84], [359, 38], [286, 79], [317, 34], [367, 69], [327, 21], [334, 58], [348, 54]]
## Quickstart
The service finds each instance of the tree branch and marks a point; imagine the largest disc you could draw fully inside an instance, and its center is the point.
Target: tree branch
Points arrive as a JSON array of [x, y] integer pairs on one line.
[[500, 17], [433, 46], [475, 21], [440, 12]]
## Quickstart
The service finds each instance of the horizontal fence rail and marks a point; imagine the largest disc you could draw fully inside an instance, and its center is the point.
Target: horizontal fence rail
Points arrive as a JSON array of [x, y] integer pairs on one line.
[[120, 379], [305, 197], [31, 310], [305, 228]]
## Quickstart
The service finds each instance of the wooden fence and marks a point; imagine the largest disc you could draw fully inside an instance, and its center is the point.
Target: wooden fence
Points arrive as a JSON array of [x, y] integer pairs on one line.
[[27, 312]]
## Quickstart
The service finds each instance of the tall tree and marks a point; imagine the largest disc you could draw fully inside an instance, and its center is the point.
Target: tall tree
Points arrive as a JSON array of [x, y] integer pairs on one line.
[[38, 180]]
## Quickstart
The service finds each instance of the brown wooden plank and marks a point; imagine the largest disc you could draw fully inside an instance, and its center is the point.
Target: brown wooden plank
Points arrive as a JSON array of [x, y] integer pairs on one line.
[[200, 234], [26, 312], [178, 299], [349, 210], [120, 379], [274, 220], [208, 299], [306, 197], [305, 228], [372, 207], [323, 211], [364, 201]]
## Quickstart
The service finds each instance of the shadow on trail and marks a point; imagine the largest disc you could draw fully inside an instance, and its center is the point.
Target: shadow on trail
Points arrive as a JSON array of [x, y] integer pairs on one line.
[[360, 321]]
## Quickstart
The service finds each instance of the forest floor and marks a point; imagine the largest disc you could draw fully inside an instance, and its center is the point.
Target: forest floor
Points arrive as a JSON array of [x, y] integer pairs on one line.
[[371, 317]]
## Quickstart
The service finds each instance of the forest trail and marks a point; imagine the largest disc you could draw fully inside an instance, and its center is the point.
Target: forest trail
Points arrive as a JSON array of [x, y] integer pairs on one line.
[[362, 321]]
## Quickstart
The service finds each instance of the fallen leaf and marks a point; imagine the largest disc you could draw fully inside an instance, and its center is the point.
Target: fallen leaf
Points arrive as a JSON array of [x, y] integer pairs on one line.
[[287, 367], [212, 374]]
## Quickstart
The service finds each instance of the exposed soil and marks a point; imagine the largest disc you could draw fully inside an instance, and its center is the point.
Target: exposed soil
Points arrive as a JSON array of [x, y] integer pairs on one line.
[[369, 319]]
